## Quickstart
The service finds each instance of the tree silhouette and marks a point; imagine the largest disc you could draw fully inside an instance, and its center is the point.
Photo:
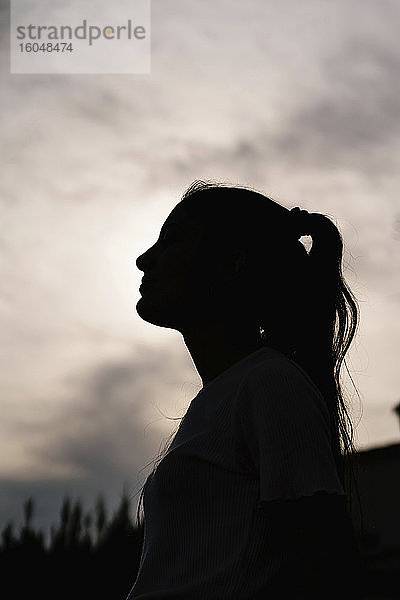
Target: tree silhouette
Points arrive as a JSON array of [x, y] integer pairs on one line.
[[90, 555], [87, 555]]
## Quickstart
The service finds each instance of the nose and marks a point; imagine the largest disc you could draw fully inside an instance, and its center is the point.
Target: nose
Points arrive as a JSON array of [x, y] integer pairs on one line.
[[139, 263], [142, 261]]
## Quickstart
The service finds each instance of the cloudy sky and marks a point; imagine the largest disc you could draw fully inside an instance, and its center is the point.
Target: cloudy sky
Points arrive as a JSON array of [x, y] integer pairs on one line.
[[296, 99]]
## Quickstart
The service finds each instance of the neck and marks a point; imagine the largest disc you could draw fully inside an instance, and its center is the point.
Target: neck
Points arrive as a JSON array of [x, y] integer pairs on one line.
[[215, 347]]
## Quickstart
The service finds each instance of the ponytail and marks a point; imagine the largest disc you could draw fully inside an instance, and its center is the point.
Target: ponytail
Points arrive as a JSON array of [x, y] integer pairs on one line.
[[326, 332]]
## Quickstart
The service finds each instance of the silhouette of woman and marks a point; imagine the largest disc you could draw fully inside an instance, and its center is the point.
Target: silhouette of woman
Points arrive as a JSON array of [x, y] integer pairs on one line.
[[251, 500]]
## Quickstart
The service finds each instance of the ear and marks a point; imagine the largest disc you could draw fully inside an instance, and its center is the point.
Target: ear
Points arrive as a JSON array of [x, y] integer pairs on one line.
[[233, 265]]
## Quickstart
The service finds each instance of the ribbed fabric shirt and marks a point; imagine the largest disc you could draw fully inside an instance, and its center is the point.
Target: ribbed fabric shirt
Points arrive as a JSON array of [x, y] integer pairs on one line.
[[259, 431]]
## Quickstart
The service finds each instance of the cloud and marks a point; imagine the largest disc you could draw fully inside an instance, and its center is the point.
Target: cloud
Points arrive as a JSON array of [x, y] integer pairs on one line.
[[349, 121], [354, 122], [106, 432], [103, 427]]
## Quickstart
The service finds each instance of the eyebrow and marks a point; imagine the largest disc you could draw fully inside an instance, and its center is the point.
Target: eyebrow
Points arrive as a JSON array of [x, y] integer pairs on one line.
[[169, 224]]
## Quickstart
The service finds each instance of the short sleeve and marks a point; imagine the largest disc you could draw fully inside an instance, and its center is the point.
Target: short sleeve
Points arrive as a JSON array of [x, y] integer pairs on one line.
[[284, 425]]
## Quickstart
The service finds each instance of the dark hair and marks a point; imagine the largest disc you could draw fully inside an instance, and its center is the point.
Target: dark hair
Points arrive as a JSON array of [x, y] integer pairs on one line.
[[315, 314]]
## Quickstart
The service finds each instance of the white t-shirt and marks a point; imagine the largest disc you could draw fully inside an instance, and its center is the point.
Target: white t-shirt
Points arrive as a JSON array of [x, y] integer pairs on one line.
[[257, 432]]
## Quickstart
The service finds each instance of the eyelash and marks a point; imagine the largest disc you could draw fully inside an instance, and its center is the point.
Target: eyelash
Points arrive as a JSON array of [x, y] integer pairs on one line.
[[167, 237]]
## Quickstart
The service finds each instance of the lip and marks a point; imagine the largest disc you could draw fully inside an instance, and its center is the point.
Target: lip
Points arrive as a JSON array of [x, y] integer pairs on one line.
[[146, 282]]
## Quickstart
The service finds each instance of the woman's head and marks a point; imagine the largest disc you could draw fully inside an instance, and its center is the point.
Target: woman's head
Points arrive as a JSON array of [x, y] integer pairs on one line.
[[223, 252]]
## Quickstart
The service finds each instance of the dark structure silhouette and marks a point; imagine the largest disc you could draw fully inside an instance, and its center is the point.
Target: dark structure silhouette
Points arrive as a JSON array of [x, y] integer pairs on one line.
[[378, 524]]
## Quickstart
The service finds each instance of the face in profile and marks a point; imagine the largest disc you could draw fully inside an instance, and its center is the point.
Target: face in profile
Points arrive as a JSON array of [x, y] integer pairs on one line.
[[176, 278]]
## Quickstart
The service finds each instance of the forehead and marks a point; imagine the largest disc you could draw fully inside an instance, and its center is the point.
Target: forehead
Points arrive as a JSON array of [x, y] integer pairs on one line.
[[179, 216]]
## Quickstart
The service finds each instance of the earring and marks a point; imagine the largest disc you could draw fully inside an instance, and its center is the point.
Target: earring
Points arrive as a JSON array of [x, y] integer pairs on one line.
[[263, 334]]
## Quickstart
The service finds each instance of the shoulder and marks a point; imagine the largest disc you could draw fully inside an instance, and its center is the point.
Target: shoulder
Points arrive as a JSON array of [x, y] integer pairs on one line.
[[279, 385], [278, 369], [278, 374], [274, 366]]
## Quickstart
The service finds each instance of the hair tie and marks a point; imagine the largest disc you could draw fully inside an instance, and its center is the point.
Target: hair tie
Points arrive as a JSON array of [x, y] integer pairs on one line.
[[300, 221]]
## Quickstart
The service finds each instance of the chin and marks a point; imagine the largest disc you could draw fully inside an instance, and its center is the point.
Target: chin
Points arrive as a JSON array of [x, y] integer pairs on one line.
[[156, 315]]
